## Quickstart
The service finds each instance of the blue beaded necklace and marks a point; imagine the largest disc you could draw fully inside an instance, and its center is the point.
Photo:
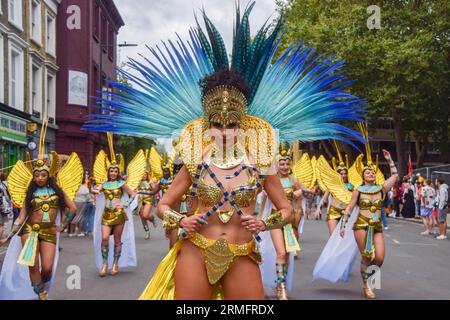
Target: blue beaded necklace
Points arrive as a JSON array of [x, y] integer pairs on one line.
[[226, 194]]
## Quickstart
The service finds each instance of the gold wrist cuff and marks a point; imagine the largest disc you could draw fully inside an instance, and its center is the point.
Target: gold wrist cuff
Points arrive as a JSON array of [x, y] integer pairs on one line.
[[171, 219], [274, 221]]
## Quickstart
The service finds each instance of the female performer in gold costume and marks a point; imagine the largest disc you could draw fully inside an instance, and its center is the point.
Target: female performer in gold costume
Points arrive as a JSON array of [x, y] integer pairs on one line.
[[336, 208], [277, 269], [146, 190], [363, 215], [35, 232], [368, 228], [113, 214], [228, 145]]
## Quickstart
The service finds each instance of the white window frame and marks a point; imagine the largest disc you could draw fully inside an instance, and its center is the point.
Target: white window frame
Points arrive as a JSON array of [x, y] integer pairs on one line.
[[38, 106], [50, 46], [2, 73], [50, 111], [1, 12], [20, 68], [36, 36], [15, 18]]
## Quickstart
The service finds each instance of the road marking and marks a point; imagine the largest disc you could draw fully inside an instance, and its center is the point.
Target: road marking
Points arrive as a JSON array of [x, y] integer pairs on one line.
[[414, 243], [420, 244]]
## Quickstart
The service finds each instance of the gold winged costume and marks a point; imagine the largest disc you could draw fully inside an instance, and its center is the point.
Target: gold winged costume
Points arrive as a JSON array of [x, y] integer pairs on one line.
[[332, 182], [114, 210], [69, 179], [45, 201], [328, 178]]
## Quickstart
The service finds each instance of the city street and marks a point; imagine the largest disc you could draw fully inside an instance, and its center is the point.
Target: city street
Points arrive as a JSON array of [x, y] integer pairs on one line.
[[416, 267]]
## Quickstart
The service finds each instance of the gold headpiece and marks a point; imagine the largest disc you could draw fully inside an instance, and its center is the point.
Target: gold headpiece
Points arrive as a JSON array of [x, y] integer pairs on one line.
[[341, 165], [284, 153], [40, 164], [225, 105], [369, 163], [113, 163]]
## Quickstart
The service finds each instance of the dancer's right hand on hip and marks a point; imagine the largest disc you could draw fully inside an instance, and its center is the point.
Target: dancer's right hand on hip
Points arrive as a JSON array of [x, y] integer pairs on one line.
[[193, 223]]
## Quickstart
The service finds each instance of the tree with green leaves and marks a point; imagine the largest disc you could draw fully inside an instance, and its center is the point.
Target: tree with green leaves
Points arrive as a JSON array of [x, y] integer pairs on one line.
[[402, 68]]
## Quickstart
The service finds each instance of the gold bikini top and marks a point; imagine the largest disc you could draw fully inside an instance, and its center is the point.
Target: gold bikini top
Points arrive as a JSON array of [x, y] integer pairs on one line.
[[210, 195], [113, 190], [368, 204], [45, 199], [371, 205], [287, 188], [145, 186], [164, 184]]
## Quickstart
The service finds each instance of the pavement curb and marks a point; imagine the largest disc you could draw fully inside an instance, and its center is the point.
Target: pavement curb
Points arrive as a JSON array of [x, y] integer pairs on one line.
[[414, 220]]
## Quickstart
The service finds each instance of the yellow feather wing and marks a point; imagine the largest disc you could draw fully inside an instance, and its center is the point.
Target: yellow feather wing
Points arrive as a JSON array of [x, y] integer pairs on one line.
[[333, 181], [380, 177], [322, 186], [135, 170], [303, 171], [156, 164], [354, 173], [100, 173], [121, 164], [18, 181], [70, 177], [314, 164], [55, 164]]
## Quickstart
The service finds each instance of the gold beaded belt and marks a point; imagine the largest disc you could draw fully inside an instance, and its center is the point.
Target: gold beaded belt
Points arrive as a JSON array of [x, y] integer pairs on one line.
[[220, 254]]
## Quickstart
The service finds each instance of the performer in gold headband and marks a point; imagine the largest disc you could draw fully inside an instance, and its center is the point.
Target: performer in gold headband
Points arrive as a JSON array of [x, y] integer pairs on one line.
[[348, 175], [114, 213], [35, 233], [279, 248], [363, 215], [146, 190], [227, 130]]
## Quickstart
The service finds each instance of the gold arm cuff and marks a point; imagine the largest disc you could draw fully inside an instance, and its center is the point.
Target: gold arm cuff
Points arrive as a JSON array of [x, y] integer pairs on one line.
[[274, 221], [171, 219]]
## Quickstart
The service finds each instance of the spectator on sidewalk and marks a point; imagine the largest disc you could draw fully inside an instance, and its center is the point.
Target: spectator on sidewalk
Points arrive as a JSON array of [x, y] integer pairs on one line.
[[396, 199], [442, 206], [88, 225], [417, 189], [80, 201], [426, 209], [408, 210], [5, 202]]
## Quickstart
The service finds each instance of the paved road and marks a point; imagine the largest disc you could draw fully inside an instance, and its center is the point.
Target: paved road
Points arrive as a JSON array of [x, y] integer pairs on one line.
[[416, 267]]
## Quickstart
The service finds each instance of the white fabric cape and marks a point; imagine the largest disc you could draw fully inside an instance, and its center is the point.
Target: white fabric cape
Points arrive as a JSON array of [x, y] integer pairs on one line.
[[128, 255], [15, 283], [337, 258], [269, 256]]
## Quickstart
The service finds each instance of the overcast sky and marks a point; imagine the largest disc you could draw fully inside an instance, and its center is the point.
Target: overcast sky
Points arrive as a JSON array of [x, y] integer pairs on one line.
[[147, 22], [150, 21]]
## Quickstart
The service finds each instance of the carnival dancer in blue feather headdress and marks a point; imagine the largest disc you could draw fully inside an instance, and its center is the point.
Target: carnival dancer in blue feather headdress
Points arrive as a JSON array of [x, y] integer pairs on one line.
[[228, 117]]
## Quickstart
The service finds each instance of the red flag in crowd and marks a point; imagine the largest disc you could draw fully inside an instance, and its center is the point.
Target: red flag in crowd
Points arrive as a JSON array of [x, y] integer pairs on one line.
[[410, 167]]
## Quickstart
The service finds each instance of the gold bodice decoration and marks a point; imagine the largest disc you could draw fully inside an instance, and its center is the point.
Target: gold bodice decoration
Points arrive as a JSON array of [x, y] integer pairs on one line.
[[287, 188], [369, 204], [45, 199], [216, 196], [113, 190]]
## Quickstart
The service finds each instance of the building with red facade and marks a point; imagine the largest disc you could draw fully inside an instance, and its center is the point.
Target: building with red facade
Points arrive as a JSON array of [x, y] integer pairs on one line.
[[87, 55]]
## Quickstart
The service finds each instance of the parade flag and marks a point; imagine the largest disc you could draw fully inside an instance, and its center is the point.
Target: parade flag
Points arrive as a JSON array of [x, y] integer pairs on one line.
[[410, 167]]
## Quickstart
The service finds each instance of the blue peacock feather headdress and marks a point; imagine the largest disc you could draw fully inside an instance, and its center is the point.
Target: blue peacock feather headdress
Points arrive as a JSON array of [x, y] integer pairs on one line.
[[300, 94]]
